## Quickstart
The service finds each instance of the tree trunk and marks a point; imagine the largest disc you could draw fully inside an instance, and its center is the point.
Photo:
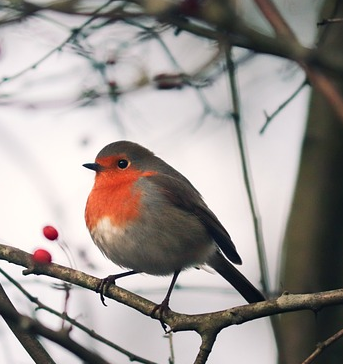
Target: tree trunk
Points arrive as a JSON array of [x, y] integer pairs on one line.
[[313, 244]]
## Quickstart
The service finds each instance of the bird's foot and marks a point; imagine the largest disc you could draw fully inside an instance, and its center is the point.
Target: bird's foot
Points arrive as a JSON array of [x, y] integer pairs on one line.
[[106, 282], [160, 311], [103, 286]]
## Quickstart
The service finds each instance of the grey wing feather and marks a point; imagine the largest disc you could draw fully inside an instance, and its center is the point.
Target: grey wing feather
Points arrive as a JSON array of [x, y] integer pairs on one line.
[[183, 194]]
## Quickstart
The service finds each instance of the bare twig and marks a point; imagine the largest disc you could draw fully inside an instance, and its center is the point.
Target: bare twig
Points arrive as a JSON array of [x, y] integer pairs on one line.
[[330, 21], [239, 33], [249, 189], [322, 346], [272, 14], [246, 175], [317, 79], [170, 337], [73, 35], [270, 117]]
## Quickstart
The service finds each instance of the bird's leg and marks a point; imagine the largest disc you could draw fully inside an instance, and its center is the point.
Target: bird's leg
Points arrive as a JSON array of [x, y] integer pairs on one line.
[[111, 279], [163, 307]]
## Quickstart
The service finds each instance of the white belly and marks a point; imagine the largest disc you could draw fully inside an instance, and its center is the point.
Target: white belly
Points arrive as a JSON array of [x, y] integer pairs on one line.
[[151, 248]]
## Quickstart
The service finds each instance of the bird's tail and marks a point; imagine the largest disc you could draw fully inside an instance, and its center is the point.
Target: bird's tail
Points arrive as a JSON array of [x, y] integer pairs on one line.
[[235, 278]]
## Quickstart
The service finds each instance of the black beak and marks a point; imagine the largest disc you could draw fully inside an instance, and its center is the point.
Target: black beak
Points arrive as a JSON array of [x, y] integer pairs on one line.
[[93, 166]]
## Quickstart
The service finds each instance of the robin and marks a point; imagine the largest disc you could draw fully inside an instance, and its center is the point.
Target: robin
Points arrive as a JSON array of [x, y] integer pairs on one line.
[[147, 217]]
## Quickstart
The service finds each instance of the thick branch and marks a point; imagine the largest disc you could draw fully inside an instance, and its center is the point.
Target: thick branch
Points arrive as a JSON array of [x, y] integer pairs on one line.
[[179, 322], [318, 80], [41, 306], [61, 337], [207, 325], [237, 31], [30, 342], [207, 341]]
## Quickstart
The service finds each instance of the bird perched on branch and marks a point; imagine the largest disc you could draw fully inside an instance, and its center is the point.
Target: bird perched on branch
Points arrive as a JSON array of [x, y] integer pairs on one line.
[[147, 217]]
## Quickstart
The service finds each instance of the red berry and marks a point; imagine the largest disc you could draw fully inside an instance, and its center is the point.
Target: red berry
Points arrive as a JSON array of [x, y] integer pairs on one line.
[[50, 232], [41, 256]]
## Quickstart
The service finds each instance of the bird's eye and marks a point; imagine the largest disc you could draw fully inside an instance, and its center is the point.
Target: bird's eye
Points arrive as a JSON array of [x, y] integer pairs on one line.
[[123, 163]]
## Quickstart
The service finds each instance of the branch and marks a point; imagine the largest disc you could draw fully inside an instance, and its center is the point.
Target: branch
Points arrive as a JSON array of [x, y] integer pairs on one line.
[[207, 325], [60, 337], [207, 341], [217, 20], [326, 87], [322, 346], [238, 32], [273, 16], [177, 321], [269, 118], [73, 35], [330, 21], [318, 80], [256, 219], [30, 342], [41, 306]]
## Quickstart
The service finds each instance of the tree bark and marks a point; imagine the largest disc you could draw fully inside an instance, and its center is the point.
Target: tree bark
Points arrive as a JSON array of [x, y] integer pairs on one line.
[[313, 244]]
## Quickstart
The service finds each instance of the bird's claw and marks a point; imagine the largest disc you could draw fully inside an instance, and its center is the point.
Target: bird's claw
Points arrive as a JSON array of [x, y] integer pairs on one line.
[[106, 282], [104, 285], [162, 310]]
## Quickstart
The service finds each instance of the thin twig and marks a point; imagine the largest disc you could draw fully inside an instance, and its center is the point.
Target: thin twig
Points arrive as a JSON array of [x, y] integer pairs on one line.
[[170, 337], [74, 34], [270, 117], [246, 175], [318, 80], [240, 34], [322, 346], [330, 21], [261, 250], [273, 16]]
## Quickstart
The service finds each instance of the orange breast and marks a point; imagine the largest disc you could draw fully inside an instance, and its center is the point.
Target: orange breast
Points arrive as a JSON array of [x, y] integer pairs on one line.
[[114, 196]]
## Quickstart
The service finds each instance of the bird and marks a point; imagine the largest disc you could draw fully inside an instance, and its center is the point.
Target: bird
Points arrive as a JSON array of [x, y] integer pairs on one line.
[[147, 217]]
